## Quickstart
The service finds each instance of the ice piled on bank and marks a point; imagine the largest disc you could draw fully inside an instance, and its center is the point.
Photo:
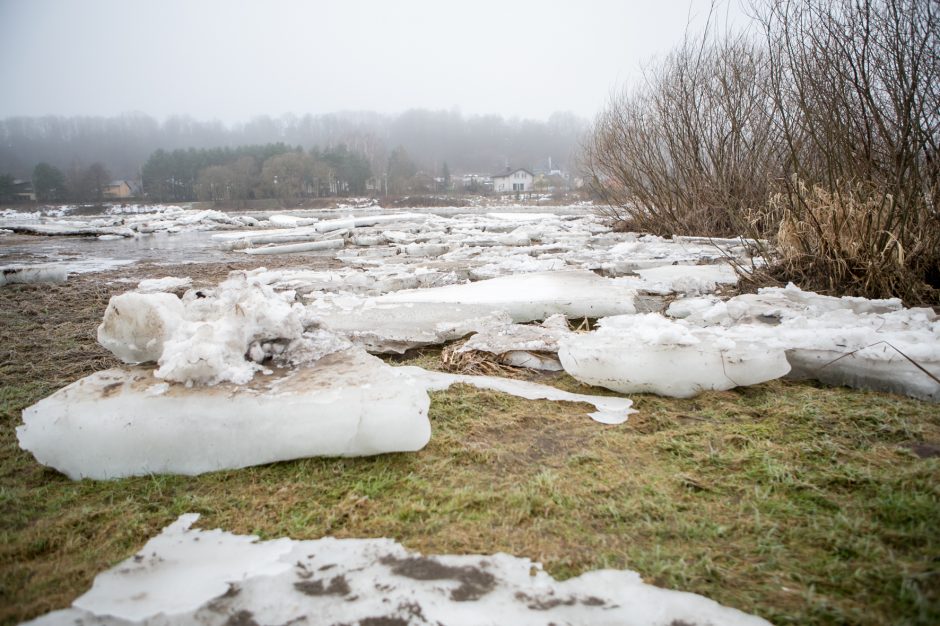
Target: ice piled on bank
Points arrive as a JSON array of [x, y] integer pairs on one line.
[[522, 345], [775, 304], [205, 337], [843, 341], [212, 577], [165, 284], [395, 328], [690, 279], [127, 422], [44, 273], [649, 353], [527, 297]]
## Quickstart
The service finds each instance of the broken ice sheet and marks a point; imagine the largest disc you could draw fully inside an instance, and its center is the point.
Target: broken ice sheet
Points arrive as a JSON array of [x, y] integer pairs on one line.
[[522, 345], [650, 353], [38, 273], [122, 422], [868, 344], [395, 328], [212, 577], [535, 296]]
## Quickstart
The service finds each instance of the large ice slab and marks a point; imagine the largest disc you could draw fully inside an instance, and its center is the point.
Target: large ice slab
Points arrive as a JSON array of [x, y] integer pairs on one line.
[[649, 353], [126, 422], [689, 279], [394, 328], [868, 344], [38, 273], [528, 297], [211, 577]]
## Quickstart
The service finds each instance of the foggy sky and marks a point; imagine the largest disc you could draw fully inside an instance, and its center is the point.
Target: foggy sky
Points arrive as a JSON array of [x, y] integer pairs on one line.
[[231, 60]]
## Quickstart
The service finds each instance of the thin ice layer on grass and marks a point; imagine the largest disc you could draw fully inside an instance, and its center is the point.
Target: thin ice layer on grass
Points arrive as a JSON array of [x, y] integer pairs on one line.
[[187, 576], [610, 410]]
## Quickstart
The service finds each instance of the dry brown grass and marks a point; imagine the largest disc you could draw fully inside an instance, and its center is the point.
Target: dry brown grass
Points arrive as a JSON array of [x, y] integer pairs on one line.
[[848, 243]]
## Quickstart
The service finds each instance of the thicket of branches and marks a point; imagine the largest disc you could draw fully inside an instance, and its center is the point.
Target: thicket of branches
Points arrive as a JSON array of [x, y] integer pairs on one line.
[[818, 132]]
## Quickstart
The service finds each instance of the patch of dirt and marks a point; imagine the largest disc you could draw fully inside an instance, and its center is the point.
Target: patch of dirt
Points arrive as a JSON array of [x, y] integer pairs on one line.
[[338, 586], [474, 582], [923, 449]]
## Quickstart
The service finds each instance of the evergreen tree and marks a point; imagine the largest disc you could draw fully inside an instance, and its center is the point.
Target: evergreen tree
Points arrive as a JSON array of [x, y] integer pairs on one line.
[[48, 183]]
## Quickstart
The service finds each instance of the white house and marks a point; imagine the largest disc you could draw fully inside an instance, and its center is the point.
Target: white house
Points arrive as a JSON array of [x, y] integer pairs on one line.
[[518, 180]]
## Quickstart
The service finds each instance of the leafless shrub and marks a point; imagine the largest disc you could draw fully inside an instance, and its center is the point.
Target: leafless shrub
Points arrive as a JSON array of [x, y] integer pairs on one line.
[[692, 150], [855, 85], [822, 138]]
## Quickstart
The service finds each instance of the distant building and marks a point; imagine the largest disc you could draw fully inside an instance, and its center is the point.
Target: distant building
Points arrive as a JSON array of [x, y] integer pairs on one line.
[[121, 189], [513, 181], [23, 191]]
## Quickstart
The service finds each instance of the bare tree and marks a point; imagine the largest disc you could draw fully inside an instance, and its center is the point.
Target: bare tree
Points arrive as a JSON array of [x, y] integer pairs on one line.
[[692, 150], [856, 88]]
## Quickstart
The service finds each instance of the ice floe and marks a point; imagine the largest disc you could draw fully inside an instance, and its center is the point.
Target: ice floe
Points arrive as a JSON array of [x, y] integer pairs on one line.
[[24, 274], [522, 345], [167, 284], [527, 297], [650, 353], [128, 422], [212, 577], [870, 344]]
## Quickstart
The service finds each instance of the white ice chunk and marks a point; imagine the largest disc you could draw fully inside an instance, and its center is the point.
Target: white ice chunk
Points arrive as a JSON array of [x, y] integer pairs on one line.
[[500, 339], [396, 328], [574, 294], [136, 325], [772, 304], [235, 578], [522, 217], [289, 221], [293, 248], [649, 353], [522, 345], [690, 279], [168, 283], [368, 220], [609, 410], [40, 273], [110, 424], [205, 338], [210, 347], [870, 344]]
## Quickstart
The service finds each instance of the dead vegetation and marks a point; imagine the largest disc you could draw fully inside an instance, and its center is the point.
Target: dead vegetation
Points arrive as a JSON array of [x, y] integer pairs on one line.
[[819, 132]]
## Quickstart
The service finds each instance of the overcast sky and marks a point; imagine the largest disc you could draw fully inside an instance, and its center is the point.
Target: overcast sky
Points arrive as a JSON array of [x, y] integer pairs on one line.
[[231, 60]]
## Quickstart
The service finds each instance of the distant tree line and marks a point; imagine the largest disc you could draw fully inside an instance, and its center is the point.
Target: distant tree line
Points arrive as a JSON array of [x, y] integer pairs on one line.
[[79, 183], [122, 144]]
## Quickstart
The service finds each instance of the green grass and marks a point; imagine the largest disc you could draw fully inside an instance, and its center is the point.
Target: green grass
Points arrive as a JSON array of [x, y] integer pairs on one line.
[[796, 502]]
